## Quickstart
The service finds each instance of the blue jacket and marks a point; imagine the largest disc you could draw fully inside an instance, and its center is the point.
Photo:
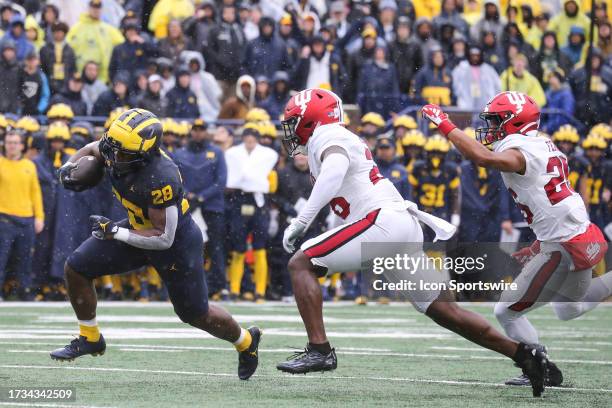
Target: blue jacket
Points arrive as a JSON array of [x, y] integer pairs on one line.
[[265, 56], [562, 99], [204, 173], [23, 46], [398, 176], [182, 103], [484, 204], [378, 88]]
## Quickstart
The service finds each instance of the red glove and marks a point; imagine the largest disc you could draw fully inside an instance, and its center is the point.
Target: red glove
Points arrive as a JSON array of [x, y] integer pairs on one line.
[[525, 255], [434, 114]]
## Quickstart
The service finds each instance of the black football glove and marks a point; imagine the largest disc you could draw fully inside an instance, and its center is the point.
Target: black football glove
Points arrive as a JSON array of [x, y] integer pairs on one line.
[[65, 179], [102, 227]]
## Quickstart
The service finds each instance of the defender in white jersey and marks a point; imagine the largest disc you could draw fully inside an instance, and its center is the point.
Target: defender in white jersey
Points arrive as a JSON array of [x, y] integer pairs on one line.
[[346, 177], [557, 267]]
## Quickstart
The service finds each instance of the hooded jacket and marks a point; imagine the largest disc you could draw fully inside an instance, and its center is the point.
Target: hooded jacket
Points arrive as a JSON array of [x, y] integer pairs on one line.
[[48, 61], [182, 102], [72, 99], [474, 86], [562, 23], [23, 46], [493, 24], [9, 72], [94, 40], [205, 87], [547, 61], [226, 46], [236, 107], [265, 54], [433, 84]]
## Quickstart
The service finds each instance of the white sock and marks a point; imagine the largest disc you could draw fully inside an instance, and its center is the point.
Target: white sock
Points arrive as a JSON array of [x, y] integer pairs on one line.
[[89, 323], [241, 337]]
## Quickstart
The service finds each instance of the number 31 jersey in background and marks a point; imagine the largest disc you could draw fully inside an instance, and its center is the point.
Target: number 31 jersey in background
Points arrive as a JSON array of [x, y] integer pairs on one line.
[[363, 189], [553, 210]]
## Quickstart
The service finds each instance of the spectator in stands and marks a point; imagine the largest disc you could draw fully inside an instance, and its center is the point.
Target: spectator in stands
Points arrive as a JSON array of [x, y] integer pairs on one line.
[[356, 61], [569, 17], [338, 17], [133, 54], [57, 58], [9, 72], [604, 39], [223, 138], [16, 33], [199, 26], [279, 96], [433, 83], [378, 88], [318, 66], [458, 52], [34, 87], [390, 168], [249, 16], [174, 43], [226, 46], [165, 68], [517, 78], [289, 32], [203, 85], [474, 81], [512, 35], [575, 47], [71, 95], [21, 212], [594, 106], [236, 107], [491, 21], [424, 36], [165, 11], [265, 54], [152, 100], [387, 13], [405, 54], [93, 87], [492, 52], [6, 13], [117, 96], [558, 96], [549, 59], [262, 89], [93, 40], [204, 172], [49, 15], [182, 102]]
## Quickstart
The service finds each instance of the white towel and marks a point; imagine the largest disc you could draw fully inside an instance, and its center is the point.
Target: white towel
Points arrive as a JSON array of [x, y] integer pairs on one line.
[[444, 230]]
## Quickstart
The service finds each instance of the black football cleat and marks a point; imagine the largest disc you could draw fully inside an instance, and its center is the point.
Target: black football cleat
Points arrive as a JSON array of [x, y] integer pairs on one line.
[[79, 347], [534, 363], [249, 358], [554, 377], [308, 361]]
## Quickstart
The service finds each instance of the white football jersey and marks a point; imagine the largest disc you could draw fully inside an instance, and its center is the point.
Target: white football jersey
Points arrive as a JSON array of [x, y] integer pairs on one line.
[[553, 210], [363, 189]]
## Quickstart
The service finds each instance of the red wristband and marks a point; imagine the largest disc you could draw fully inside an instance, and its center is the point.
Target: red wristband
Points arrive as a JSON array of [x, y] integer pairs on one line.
[[446, 126]]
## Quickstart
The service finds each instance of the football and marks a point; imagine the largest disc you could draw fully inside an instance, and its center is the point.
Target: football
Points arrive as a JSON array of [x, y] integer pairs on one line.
[[88, 171]]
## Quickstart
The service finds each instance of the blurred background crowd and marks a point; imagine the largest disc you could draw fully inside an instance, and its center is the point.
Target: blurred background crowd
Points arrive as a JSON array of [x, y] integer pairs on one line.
[[220, 72]]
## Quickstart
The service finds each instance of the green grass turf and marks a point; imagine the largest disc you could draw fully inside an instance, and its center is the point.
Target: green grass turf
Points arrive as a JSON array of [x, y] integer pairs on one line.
[[375, 367]]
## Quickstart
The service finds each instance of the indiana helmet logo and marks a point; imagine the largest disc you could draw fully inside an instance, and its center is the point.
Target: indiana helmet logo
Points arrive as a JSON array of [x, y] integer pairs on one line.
[[518, 100], [302, 99]]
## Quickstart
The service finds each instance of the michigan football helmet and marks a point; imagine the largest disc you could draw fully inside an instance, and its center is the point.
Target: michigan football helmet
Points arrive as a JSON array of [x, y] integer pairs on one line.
[[131, 140]]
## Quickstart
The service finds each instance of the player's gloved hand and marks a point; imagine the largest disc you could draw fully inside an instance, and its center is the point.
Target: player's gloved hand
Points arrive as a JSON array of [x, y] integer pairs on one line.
[[291, 234], [455, 220], [525, 255], [102, 227], [435, 115], [64, 176]]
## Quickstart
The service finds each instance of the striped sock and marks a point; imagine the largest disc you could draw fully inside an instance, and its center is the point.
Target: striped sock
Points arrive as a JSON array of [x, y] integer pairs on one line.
[[89, 329], [244, 341]]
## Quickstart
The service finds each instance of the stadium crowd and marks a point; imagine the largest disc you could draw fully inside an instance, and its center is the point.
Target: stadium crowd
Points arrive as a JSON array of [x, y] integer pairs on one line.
[[220, 74]]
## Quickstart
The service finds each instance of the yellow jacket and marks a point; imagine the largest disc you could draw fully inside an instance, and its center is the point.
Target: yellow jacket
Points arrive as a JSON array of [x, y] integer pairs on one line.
[[528, 84], [427, 8], [166, 10], [562, 24], [94, 40], [21, 195]]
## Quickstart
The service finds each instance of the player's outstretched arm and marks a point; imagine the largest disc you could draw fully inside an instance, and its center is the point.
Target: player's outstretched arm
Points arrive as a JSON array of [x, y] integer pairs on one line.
[[510, 160]]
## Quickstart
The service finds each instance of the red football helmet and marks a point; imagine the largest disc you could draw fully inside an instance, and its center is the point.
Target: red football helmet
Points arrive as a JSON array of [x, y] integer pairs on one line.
[[304, 112], [506, 114]]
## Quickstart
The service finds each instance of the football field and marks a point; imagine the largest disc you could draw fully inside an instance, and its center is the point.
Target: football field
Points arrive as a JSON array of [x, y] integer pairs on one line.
[[387, 356]]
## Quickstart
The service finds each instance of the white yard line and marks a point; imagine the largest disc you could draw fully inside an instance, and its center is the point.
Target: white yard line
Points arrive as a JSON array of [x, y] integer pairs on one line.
[[44, 404], [483, 349], [296, 377]]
